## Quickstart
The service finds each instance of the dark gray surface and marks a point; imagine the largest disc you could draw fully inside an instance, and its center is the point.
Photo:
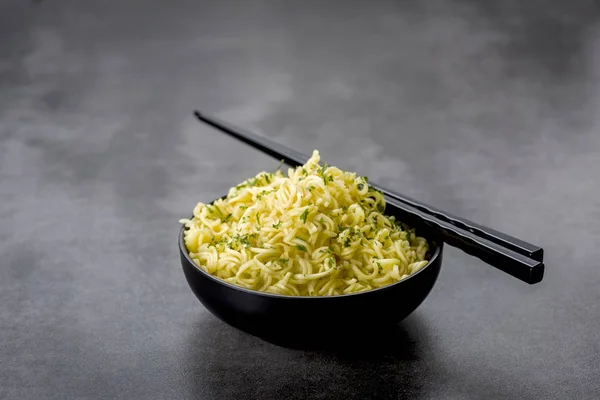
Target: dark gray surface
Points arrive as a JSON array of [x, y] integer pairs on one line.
[[487, 109]]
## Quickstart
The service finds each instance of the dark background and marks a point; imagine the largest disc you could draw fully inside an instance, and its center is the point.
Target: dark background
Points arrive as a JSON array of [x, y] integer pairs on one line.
[[488, 109]]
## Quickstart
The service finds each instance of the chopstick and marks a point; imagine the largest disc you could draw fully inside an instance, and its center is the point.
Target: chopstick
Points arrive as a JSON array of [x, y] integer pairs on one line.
[[511, 255], [293, 158]]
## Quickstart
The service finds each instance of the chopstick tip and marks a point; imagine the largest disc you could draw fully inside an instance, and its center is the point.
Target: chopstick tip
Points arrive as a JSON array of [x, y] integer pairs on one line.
[[537, 274]]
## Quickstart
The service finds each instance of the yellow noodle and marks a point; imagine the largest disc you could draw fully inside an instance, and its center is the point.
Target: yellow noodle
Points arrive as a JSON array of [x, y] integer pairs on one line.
[[317, 231]]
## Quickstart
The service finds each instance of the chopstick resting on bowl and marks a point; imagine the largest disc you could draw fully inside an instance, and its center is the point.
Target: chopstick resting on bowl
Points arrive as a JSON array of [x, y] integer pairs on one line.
[[511, 255]]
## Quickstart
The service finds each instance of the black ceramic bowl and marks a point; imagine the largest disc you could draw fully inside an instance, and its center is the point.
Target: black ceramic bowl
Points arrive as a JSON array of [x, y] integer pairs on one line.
[[265, 314]]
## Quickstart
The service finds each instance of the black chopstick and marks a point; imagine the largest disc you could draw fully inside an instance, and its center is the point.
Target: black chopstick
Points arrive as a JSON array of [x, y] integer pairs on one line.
[[511, 255], [506, 260], [517, 245], [293, 158]]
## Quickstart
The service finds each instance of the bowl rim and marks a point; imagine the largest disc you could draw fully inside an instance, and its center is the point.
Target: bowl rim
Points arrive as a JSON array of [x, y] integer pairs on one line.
[[183, 250]]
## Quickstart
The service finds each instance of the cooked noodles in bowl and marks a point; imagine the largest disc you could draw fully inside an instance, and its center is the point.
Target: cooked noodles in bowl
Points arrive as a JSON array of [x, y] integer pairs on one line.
[[317, 231]]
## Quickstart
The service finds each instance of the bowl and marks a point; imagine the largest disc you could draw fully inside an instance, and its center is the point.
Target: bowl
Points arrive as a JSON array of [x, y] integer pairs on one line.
[[275, 316]]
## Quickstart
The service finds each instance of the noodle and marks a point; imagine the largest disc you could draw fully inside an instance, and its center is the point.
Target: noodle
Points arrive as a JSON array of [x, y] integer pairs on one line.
[[319, 231]]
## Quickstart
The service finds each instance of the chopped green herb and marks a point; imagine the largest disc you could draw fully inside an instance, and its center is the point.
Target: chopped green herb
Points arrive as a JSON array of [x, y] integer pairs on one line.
[[408, 235], [284, 261], [240, 186], [360, 187], [347, 243], [331, 249], [210, 210], [345, 208], [304, 172], [268, 177], [219, 211], [227, 218], [261, 194], [277, 225], [380, 207], [355, 232], [323, 175], [243, 207], [300, 247], [311, 188], [324, 251], [331, 262], [379, 266], [330, 178], [304, 215], [322, 220], [244, 240]]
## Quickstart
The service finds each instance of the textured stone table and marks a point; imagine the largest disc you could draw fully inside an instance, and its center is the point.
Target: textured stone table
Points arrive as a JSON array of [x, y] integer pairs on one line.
[[488, 111]]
